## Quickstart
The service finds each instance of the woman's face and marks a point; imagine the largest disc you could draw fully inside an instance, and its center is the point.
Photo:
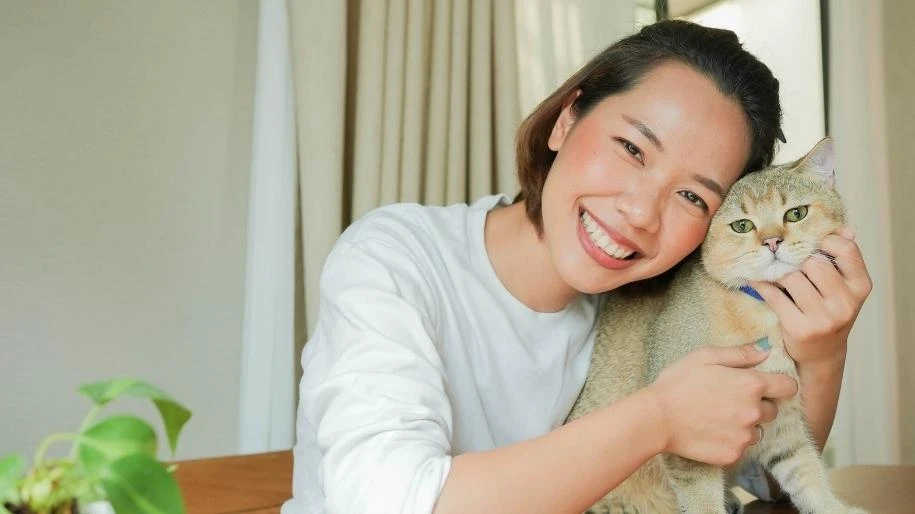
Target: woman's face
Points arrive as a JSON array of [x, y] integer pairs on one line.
[[636, 180]]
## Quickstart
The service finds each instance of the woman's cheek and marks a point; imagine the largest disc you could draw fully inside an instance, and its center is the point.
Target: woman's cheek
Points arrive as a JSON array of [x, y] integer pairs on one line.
[[688, 233]]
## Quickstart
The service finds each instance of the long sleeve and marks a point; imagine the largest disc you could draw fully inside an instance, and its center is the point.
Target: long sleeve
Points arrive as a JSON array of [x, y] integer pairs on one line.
[[374, 388], [420, 353]]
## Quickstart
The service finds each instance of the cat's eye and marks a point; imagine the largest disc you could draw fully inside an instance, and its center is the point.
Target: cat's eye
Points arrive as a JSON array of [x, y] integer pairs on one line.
[[742, 226], [694, 199], [796, 214], [631, 149]]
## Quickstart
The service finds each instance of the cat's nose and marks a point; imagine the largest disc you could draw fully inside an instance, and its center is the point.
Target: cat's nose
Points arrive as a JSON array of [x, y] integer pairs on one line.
[[772, 243]]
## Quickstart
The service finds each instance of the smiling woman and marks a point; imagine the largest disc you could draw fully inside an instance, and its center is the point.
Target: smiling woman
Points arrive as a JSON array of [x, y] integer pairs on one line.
[[451, 342], [634, 164]]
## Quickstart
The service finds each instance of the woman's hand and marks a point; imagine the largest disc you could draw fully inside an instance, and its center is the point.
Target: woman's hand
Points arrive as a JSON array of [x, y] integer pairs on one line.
[[825, 298], [712, 408]]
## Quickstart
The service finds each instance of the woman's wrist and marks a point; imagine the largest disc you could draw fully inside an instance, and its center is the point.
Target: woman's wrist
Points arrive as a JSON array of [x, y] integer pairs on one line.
[[820, 384], [823, 372], [657, 433]]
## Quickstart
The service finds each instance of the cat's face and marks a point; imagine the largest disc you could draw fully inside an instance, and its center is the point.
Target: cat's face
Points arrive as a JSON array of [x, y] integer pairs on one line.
[[772, 221]]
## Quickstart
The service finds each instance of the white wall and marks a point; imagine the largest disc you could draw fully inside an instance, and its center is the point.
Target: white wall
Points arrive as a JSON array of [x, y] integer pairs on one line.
[[124, 154]]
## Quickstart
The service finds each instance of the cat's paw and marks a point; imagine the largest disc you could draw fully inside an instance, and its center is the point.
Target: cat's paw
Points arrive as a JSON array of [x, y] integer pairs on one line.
[[840, 509], [732, 504]]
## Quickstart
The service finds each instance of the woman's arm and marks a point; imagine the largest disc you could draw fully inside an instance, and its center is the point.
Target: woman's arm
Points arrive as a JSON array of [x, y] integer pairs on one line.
[[700, 407], [820, 396], [566, 470], [825, 298]]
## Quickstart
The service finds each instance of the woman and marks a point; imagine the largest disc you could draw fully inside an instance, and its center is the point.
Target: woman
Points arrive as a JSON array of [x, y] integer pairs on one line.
[[452, 342]]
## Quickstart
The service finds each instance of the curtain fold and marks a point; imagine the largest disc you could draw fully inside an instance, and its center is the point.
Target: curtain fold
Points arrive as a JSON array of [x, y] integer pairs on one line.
[[431, 113], [867, 426], [318, 37], [266, 403]]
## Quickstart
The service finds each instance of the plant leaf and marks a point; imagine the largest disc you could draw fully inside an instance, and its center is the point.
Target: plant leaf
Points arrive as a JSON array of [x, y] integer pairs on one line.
[[113, 438], [11, 468], [174, 415], [138, 484]]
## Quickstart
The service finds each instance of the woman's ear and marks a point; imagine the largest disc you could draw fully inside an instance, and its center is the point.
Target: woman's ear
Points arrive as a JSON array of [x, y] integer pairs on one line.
[[563, 124]]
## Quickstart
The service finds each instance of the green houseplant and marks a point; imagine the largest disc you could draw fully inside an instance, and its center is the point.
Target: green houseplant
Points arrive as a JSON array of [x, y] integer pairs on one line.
[[112, 459]]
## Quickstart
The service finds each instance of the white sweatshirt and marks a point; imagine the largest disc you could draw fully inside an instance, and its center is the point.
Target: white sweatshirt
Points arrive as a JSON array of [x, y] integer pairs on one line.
[[419, 354]]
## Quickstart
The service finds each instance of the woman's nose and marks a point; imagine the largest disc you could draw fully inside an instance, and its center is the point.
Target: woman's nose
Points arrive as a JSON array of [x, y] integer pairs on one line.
[[641, 207]]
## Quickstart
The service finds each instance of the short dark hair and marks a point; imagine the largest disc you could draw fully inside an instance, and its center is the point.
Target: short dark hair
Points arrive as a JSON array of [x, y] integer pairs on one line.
[[715, 53]]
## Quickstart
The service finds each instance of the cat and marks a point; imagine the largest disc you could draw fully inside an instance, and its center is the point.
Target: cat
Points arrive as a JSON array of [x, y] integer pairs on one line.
[[770, 222]]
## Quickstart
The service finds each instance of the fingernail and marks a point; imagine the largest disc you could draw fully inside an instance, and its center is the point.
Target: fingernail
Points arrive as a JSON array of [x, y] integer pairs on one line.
[[763, 345]]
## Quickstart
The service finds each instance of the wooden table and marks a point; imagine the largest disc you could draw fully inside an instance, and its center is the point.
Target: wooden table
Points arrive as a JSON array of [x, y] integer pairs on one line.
[[250, 484], [877, 489], [259, 484]]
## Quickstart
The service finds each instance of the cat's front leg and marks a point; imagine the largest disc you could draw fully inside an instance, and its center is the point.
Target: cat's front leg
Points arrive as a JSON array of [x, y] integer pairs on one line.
[[699, 486], [732, 504], [790, 456]]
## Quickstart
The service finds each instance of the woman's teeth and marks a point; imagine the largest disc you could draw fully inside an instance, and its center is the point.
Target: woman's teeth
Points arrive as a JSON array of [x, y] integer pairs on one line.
[[602, 240]]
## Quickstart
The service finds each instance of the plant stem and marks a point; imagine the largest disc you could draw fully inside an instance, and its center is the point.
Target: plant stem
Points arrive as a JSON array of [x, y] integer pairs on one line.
[[89, 418], [48, 441]]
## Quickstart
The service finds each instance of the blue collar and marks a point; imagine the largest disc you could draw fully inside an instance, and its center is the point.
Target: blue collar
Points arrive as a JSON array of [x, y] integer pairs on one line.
[[752, 292]]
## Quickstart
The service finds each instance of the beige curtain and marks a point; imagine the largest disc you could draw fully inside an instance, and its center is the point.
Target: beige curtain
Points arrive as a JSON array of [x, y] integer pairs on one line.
[[419, 100], [398, 100]]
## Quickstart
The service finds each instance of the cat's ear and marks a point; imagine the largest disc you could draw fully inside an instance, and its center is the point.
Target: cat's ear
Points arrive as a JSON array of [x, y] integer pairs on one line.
[[820, 162]]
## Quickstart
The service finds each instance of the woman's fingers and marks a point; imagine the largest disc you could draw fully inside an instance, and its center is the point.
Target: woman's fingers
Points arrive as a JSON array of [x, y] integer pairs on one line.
[[776, 386], [743, 356], [850, 263], [778, 301], [804, 294], [712, 403], [769, 412]]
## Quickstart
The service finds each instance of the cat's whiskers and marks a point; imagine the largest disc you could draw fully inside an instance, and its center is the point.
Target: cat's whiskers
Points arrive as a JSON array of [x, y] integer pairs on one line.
[[730, 279]]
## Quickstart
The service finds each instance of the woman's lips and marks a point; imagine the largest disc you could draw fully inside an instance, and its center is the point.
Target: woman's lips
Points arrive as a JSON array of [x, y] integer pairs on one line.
[[599, 255], [613, 234]]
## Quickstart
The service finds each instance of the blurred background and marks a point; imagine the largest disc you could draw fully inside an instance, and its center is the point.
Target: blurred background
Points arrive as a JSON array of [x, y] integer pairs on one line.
[[172, 174]]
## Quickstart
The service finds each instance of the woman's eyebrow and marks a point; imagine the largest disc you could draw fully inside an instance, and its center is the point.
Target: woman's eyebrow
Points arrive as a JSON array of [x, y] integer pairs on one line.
[[715, 187], [641, 127]]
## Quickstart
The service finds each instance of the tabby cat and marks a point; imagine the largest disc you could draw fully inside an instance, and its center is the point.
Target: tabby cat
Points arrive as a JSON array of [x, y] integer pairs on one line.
[[770, 222]]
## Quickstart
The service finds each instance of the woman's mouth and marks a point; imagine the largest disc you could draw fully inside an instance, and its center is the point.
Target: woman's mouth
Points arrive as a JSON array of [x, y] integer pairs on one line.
[[603, 241], [606, 250]]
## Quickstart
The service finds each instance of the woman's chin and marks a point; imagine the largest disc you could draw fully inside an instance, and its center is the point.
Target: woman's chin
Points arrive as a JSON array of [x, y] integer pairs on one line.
[[595, 283]]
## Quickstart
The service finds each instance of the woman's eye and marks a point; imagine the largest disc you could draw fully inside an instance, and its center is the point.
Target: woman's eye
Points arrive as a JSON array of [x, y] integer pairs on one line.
[[694, 199], [632, 149]]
